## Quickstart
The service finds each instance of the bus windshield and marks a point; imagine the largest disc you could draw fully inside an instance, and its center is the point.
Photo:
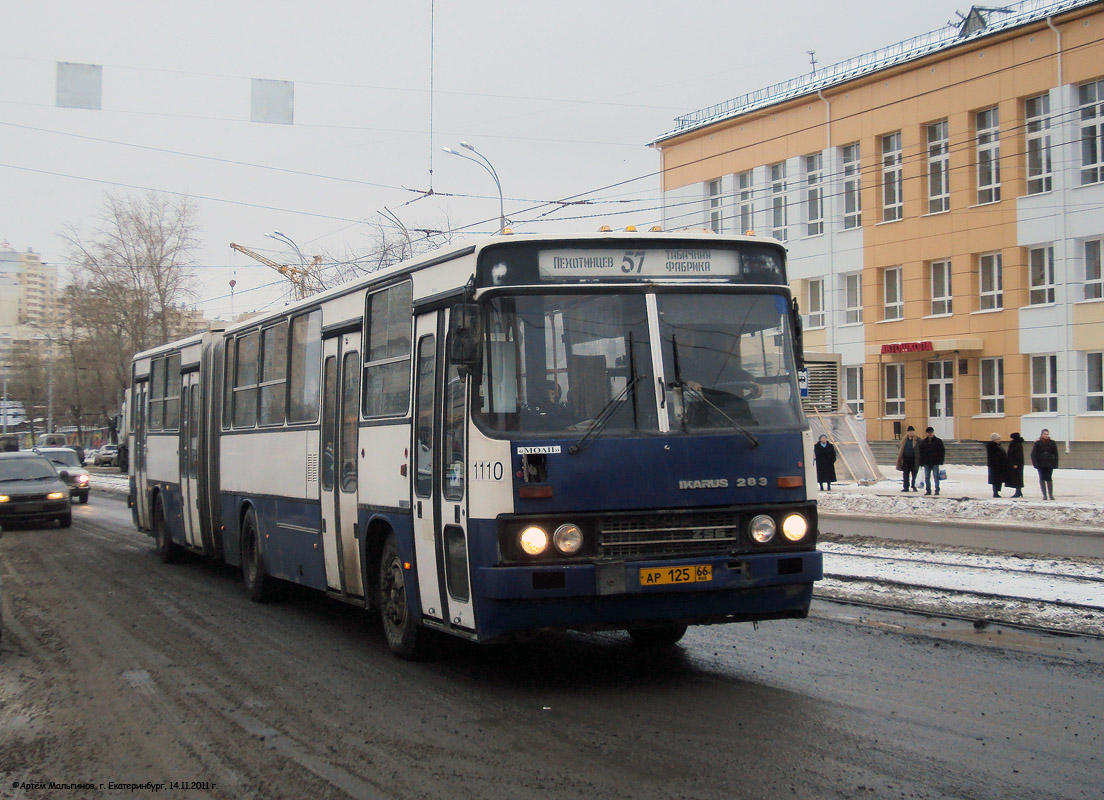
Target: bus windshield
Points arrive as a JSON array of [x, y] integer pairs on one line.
[[728, 358], [553, 364]]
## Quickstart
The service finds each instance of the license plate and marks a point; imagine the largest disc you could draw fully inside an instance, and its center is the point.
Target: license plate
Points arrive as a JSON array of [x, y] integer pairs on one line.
[[697, 573], [31, 508]]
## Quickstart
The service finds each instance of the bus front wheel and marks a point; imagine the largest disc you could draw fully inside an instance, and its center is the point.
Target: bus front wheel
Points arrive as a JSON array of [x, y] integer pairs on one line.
[[404, 633], [259, 585]]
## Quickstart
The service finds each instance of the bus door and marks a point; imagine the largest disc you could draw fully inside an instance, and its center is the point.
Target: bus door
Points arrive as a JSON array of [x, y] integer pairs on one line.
[[138, 454], [440, 474], [340, 452], [190, 421]]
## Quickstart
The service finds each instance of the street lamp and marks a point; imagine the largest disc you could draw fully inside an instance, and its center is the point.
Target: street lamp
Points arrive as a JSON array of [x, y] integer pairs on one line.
[[283, 237], [486, 164]]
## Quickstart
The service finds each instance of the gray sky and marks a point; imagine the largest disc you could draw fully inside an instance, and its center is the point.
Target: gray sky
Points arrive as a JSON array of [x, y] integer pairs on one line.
[[562, 97]]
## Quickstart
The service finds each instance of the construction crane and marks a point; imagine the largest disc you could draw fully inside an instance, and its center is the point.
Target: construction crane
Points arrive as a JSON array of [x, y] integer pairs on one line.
[[304, 280]]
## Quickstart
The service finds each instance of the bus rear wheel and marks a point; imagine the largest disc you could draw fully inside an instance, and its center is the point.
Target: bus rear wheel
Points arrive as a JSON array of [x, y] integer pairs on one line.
[[658, 636], [259, 585], [405, 635], [167, 550]]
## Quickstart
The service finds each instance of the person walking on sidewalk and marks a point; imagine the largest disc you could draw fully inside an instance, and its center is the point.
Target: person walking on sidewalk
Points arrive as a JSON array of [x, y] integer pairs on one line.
[[997, 462], [908, 459], [1014, 476], [932, 454], [824, 454], [1044, 457]]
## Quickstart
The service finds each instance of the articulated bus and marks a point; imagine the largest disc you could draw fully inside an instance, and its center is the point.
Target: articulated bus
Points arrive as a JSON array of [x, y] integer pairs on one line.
[[589, 432]]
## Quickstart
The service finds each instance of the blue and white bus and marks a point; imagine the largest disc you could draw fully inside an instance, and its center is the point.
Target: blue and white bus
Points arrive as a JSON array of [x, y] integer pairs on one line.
[[591, 432]]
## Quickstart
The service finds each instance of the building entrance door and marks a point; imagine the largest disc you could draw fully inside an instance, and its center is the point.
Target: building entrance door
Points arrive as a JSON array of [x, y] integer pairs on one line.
[[941, 397]]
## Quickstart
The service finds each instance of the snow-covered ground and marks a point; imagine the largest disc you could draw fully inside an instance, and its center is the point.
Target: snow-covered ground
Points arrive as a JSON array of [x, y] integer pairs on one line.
[[966, 495]]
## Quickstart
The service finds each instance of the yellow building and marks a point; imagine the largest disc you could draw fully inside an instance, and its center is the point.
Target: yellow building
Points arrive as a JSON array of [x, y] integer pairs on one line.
[[943, 202]]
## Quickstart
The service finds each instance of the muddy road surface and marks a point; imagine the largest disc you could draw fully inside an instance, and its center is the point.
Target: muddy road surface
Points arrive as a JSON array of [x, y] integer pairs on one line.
[[124, 677]]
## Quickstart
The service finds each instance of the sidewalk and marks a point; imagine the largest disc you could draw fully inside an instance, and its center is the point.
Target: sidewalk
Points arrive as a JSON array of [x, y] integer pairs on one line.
[[966, 495]]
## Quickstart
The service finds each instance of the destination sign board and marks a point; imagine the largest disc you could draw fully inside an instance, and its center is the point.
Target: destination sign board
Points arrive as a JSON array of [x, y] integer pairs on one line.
[[656, 262]]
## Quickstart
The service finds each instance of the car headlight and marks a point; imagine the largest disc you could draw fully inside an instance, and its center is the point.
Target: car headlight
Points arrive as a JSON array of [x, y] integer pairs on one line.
[[4, 498], [82, 479], [794, 527], [55, 495], [533, 540], [762, 528], [568, 539]]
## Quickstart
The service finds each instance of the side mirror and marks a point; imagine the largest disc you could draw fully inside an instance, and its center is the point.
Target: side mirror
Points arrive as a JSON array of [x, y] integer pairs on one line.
[[464, 336], [63, 474]]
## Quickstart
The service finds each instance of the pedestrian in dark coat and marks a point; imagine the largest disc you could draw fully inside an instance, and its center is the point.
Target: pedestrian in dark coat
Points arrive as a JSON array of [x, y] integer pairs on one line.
[[824, 454], [908, 459], [997, 462], [932, 453], [1014, 477], [1044, 457]]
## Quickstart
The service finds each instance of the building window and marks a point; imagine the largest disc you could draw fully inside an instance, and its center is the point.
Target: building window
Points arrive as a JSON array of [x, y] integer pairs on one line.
[[1091, 98], [814, 193], [853, 390], [988, 155], [895, 390], [940, 287], [715, 210], [1037, 118], [892, 204], [1093, 371], [852, 293], [852, 187], [939, 192], [1044, 384], [1094, 286], [1041, 267], [894, 303], [816, 303], [992, 386], [744, 186], [778, 200], [991, 282]]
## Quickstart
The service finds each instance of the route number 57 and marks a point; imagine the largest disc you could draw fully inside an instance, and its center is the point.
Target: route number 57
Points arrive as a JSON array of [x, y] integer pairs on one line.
[[633, 262]]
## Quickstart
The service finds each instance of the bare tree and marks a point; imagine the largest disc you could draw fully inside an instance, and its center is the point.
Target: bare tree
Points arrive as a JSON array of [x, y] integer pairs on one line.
[[139, 259], [389, 243], [133, 276]]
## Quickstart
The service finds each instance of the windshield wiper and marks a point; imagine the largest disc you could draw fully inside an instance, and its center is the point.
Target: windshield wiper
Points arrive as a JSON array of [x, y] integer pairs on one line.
[[604, 416], [754, 442], [683, 387]]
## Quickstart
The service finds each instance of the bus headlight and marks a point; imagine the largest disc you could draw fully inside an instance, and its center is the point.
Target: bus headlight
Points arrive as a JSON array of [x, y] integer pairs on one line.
[[568, 539], [533, 540], [794, 527], [762, 528]]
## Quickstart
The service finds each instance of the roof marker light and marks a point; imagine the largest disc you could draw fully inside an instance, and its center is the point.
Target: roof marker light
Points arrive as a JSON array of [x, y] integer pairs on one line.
[[605, 229]]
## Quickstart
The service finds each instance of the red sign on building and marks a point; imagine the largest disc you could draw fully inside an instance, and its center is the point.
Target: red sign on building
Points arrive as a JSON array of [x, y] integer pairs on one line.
[[907, 347]]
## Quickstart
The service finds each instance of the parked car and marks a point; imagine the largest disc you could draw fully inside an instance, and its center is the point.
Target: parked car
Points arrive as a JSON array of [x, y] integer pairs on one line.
[[90, 455], [70, 469], [108, 455], [31, 491]]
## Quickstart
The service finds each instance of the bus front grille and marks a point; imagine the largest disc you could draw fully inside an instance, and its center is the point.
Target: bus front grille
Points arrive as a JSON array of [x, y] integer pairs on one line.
[[669, 535]]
